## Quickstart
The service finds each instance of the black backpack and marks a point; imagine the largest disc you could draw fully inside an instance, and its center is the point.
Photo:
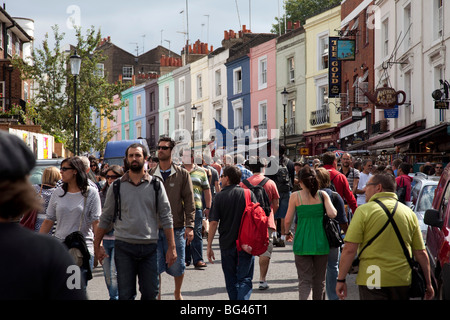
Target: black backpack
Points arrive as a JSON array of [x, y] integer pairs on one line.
[[116, 189], [260, 194], [282, 177]]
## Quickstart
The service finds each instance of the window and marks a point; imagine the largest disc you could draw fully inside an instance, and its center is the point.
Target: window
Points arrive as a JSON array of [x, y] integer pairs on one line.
[[17, 48], [219, 114], [199, 87], [263, 112], [181, 120], [439, 22], [291, 111], [237, 81], [182, 90], [218, 82], [322, 98], [238, 113], [138, 129], [138, 106], [166, 96], [291, 69], [152, 101], [367, 34], [385, 35], [9, 39], [323, 52], [127, 72], [407, 26], [99, 70], [127, 132], [262, 73], [126, 110], [1, 35]]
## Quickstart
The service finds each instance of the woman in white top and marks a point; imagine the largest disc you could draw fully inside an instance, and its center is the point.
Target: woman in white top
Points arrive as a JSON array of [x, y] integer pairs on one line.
[[75, 206]]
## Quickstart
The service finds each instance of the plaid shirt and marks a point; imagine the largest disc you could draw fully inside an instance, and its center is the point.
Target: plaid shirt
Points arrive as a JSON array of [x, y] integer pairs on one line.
[[245, 172]]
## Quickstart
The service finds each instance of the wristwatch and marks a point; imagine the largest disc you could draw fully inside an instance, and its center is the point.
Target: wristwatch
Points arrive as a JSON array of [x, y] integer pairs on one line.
[[339, 280]]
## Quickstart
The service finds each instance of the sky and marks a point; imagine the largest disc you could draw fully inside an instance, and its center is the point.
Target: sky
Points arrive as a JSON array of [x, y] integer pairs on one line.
[[140, 25]]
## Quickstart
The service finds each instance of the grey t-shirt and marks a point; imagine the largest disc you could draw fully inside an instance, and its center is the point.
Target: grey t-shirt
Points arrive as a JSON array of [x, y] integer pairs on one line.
[[68, 212]]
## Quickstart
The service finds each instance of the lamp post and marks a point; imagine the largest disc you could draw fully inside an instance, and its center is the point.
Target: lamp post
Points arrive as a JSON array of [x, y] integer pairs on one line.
[[75, 65], [194, 114], [284, 96]]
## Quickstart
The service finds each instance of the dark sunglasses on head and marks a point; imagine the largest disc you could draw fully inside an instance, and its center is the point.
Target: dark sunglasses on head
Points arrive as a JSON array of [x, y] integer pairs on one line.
[[112, 177], [66, 168], [163, 147]]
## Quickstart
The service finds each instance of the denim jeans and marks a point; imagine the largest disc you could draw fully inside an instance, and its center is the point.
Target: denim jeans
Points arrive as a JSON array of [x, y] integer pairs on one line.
[[136, 260], [238, 271], [109, 270], [332, 273], [194, 251]]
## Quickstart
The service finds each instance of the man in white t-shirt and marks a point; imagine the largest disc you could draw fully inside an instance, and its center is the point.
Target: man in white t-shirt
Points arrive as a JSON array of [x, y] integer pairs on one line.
[[364, 176]]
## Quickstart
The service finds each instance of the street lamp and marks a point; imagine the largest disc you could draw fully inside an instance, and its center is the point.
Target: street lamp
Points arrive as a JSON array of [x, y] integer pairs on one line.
[[194, 114], [75, 65], [284, 96]]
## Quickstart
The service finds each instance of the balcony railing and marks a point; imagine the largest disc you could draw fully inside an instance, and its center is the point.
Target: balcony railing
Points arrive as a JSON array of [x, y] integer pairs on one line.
[[320, 117], [261, 130], [290, 128]]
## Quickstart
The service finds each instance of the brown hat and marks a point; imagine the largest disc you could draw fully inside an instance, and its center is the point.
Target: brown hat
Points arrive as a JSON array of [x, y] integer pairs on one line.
[[16, 158]]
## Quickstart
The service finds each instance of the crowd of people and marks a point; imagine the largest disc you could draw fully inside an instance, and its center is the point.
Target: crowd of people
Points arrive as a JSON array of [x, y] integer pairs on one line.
[[151, 215]]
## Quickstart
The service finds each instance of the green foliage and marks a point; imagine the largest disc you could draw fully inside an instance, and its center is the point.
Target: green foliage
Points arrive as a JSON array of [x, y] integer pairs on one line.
[[53, 102], [300, 10]]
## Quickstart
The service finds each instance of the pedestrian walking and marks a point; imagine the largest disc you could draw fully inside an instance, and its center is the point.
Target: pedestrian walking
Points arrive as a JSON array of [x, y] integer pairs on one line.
[[323, 177], [226, 215], [257, 168], [200, 184], [142, 206], [75, 206], [109, 266], [364, 177], [50, 177], [178, 185], [403, 182], [33, 266], [351, 173], [384, 271], [339, 181], [310, 245]]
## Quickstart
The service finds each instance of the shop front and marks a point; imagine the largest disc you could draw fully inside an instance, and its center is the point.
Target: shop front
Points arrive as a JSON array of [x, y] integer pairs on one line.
[[319, 141]]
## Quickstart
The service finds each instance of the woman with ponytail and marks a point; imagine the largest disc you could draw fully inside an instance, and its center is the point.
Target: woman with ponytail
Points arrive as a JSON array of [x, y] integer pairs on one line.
[[310, 242]]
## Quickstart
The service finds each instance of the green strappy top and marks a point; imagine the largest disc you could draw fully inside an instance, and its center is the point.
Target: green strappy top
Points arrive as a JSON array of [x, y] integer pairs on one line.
[[310, 238]]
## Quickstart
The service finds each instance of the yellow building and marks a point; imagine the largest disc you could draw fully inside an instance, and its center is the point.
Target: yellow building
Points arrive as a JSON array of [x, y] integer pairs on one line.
[[322, 119]]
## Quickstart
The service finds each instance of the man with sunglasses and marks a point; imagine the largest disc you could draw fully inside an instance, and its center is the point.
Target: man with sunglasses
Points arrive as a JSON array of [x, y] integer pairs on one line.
[[178, 185], [438, 169]]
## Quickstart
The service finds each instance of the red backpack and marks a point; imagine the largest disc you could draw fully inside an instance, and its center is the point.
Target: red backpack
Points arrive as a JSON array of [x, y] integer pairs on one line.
[[253, 235]]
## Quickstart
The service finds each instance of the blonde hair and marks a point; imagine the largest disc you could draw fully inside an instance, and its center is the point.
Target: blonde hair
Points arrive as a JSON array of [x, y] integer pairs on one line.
[[323, 176], [51, 176]]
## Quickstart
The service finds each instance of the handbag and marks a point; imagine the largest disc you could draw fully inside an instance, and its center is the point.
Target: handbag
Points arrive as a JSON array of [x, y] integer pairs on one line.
[[331, 228], [355, 264], [418, 285], [29, 220]]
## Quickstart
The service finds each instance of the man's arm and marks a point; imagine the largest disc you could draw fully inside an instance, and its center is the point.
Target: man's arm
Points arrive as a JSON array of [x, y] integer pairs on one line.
[[171, 255], [421, 257], [211, 234], [347, 257]]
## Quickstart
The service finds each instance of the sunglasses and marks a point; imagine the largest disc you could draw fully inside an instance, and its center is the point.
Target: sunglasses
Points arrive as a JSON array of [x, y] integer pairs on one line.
[[64, 169], [112, 177], [163, 148], [438, 167]]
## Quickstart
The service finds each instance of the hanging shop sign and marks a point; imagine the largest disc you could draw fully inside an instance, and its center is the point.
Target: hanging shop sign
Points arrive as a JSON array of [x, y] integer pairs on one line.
[[441, 105], [346, 49], [386, 97], [334, 69]]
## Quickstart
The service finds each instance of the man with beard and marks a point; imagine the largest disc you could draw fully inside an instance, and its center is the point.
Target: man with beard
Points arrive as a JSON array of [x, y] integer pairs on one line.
[[142, 207]]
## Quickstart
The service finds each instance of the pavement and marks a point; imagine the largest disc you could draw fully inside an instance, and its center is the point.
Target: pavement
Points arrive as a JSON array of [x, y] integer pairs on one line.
[[209, 283]]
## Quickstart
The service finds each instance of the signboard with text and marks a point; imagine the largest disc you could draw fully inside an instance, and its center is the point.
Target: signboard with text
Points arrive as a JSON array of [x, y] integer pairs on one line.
[[334, 69]]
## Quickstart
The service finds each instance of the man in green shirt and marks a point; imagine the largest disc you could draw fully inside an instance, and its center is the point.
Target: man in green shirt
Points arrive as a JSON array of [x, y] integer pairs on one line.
[[201, 188], [384, 272]]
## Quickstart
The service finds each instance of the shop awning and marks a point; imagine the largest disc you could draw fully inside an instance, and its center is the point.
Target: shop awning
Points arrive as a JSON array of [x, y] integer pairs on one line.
[[387, 135], [391, 143]]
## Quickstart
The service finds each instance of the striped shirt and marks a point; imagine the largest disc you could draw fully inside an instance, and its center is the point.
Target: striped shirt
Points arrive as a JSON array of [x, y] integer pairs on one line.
[[199, 183]]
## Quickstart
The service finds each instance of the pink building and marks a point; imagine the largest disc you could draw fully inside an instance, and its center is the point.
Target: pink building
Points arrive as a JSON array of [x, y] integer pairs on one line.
[[263, 89]]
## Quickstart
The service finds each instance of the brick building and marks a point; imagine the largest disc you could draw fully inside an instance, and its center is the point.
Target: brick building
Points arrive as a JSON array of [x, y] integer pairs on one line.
[[12, 40]]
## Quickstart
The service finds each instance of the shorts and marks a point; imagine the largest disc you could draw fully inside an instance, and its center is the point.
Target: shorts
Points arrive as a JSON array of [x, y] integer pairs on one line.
[[177, 269], [284, 204], [269, 250]]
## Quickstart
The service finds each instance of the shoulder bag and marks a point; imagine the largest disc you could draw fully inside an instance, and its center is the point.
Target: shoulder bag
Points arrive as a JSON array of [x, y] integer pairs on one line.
[[418, 286], [331, 227]]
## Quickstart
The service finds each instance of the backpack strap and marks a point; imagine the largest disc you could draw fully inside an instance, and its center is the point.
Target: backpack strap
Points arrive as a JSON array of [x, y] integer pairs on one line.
[[263, 182], [247, 183], [248, 196], [117, 203], [156, 186]]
